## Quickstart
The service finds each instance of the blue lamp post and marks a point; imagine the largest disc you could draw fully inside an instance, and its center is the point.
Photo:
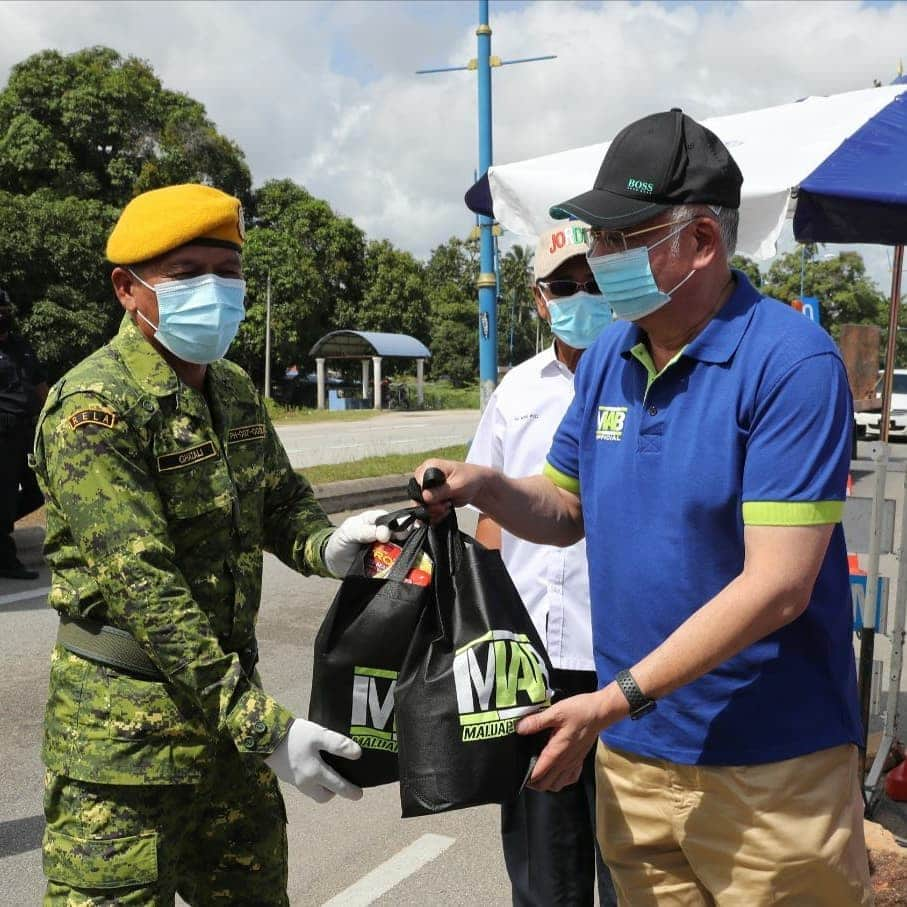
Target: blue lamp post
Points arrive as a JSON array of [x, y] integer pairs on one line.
[[488, 282]]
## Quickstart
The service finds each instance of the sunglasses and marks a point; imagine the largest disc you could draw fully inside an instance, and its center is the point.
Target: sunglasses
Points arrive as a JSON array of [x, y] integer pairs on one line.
[[561, 288]]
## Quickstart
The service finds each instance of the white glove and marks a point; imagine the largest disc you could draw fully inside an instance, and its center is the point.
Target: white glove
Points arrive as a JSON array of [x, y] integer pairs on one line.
[[298, 761], [349, 537]]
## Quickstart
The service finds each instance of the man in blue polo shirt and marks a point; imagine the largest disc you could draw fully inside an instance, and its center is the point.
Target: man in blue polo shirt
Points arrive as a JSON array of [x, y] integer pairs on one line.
[[705, 458]]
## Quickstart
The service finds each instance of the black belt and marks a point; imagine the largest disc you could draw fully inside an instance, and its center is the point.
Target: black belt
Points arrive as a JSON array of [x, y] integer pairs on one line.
[[116, 648]]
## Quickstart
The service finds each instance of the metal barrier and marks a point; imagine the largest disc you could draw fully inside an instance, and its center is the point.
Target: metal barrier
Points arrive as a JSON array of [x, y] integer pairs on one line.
[[869, 529]]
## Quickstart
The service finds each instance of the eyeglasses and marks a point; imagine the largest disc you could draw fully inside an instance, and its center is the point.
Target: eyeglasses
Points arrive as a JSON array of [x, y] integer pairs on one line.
[[616, 240], [560, 288]]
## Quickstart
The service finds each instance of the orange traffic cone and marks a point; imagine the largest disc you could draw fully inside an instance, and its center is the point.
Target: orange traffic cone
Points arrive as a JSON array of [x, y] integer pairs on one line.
[[849, 485], [853, 564]]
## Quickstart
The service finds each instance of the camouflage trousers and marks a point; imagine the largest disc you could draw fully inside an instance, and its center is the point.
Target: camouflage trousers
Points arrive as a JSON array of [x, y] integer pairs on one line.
[[223, 841]]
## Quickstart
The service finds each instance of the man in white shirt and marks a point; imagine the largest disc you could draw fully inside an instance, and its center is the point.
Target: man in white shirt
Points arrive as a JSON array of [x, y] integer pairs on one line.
[[549, 838]]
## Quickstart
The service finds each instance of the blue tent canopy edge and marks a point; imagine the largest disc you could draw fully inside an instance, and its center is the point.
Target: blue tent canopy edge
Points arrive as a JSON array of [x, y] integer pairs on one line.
[[858, 194]]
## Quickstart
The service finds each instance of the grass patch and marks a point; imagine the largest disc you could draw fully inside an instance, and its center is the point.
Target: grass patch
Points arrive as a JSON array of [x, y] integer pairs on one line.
[[443, 395], [437, 395], [372, 467]]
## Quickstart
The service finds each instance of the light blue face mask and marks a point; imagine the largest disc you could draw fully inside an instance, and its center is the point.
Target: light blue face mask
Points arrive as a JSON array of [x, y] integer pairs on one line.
[[197, 318], [627, 282], [578, 319]]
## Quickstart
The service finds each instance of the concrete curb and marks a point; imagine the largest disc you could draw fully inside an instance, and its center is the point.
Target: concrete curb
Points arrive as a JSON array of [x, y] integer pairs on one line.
[[359, 494]]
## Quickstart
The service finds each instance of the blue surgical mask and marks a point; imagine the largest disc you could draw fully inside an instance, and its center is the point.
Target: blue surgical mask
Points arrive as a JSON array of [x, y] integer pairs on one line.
[[627, 282], [197, 318], [578, 319]]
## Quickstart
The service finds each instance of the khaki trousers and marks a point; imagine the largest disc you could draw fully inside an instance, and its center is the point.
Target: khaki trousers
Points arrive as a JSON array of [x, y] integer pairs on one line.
[[787, 832]]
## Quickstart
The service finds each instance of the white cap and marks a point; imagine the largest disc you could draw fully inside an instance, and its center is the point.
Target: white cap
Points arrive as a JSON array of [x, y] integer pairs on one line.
[[559, 244]]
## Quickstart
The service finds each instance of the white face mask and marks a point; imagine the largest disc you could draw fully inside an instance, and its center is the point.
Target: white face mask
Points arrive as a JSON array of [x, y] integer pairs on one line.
[[197, 318]]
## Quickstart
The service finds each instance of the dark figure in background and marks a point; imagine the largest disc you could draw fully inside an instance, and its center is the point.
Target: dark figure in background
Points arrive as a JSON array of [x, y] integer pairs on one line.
[[23, 390]]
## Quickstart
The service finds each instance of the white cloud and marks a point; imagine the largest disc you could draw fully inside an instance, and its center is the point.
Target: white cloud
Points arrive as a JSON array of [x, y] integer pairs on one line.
[[326, 93]]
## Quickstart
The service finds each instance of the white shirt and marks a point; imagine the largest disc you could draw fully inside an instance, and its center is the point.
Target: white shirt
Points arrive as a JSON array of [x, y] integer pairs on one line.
[[514, 436]]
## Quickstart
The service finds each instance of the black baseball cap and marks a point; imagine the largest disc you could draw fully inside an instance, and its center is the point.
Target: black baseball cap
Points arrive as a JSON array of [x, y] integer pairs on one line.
[[662, 160]]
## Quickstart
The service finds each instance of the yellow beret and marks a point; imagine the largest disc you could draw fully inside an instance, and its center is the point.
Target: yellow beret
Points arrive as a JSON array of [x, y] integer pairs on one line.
[[163, 219]]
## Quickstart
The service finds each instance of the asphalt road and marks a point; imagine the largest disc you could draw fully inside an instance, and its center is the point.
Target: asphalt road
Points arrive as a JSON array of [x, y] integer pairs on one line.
[[392, 432]]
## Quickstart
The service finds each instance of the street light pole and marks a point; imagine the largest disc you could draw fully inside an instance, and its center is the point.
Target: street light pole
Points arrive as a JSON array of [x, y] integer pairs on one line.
[[268, 339], [487, 282]]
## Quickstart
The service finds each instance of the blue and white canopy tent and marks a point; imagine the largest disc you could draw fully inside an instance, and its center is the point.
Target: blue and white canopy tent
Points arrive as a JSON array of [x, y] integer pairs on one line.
[[838, 165]]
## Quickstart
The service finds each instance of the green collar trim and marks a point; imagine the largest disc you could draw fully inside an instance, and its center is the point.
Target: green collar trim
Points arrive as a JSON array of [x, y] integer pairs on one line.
[[641, 353]]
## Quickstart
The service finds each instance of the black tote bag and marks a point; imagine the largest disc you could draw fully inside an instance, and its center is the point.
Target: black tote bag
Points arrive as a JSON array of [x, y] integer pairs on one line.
[[475, 665], [358, 651]]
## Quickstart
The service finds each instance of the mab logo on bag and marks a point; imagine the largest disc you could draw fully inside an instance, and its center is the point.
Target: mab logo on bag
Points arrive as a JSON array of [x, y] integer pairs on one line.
[[499, 677], [372, 724]]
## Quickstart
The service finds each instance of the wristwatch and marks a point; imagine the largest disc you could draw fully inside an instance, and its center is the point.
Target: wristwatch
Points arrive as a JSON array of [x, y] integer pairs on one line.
[[640, 704]]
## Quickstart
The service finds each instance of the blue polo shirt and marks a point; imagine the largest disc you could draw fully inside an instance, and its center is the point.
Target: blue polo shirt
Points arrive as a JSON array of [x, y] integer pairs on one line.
[[749, 425]]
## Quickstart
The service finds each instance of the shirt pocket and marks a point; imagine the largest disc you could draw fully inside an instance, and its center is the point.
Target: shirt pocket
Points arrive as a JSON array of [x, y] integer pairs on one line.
[[194, 484]]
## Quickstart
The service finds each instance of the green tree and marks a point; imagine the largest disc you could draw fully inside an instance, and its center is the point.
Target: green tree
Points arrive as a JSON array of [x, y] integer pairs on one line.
[[451, 275], [79, 136], [518, 320], [846, 293], [296, 317], [51, 262], [95, 125], [454, 262], [394, 299], [454, 342], [749, 267], [316, 260]]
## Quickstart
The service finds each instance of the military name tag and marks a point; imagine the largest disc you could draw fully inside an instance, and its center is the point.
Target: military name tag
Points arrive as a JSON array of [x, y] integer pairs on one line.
[[246, 433], [93, 417], [183, 458]]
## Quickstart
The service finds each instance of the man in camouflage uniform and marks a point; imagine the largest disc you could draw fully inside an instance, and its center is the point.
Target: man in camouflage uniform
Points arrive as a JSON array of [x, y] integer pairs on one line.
[[165, 481]]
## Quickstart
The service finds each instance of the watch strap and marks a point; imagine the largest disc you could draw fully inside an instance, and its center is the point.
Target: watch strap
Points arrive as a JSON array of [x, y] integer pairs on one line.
[[640, 704]]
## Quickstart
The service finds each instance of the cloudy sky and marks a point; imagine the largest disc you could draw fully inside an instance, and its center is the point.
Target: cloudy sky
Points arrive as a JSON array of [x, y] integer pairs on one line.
[[326, 92]]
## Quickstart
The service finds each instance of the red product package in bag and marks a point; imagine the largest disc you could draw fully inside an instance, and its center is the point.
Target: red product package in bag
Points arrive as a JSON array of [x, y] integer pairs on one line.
[[381, 557]]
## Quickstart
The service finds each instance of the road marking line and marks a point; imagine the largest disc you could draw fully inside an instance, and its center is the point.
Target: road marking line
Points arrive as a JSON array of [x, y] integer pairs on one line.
[[391, 872], [21, 596]]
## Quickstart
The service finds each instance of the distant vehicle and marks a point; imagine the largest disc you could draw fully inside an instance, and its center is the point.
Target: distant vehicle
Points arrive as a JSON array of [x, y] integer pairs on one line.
[[897, 423]]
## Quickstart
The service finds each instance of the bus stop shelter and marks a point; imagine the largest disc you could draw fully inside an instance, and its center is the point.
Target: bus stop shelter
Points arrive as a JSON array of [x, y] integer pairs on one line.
[[370, 347]]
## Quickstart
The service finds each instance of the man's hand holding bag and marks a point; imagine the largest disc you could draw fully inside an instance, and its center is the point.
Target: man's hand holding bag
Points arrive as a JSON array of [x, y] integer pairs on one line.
[[475, 666]]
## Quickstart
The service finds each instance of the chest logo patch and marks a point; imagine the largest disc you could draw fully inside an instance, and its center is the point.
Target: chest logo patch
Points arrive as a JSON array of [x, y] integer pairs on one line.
[[610, 426], [184, 458], [246, 433], [93, 417]]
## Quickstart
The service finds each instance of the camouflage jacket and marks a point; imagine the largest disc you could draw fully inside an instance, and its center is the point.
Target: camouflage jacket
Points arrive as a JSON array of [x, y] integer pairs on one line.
[[160, 500]]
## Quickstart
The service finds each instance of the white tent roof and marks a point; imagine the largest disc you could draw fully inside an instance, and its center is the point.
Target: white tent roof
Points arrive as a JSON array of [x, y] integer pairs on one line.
[[776, 148]]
